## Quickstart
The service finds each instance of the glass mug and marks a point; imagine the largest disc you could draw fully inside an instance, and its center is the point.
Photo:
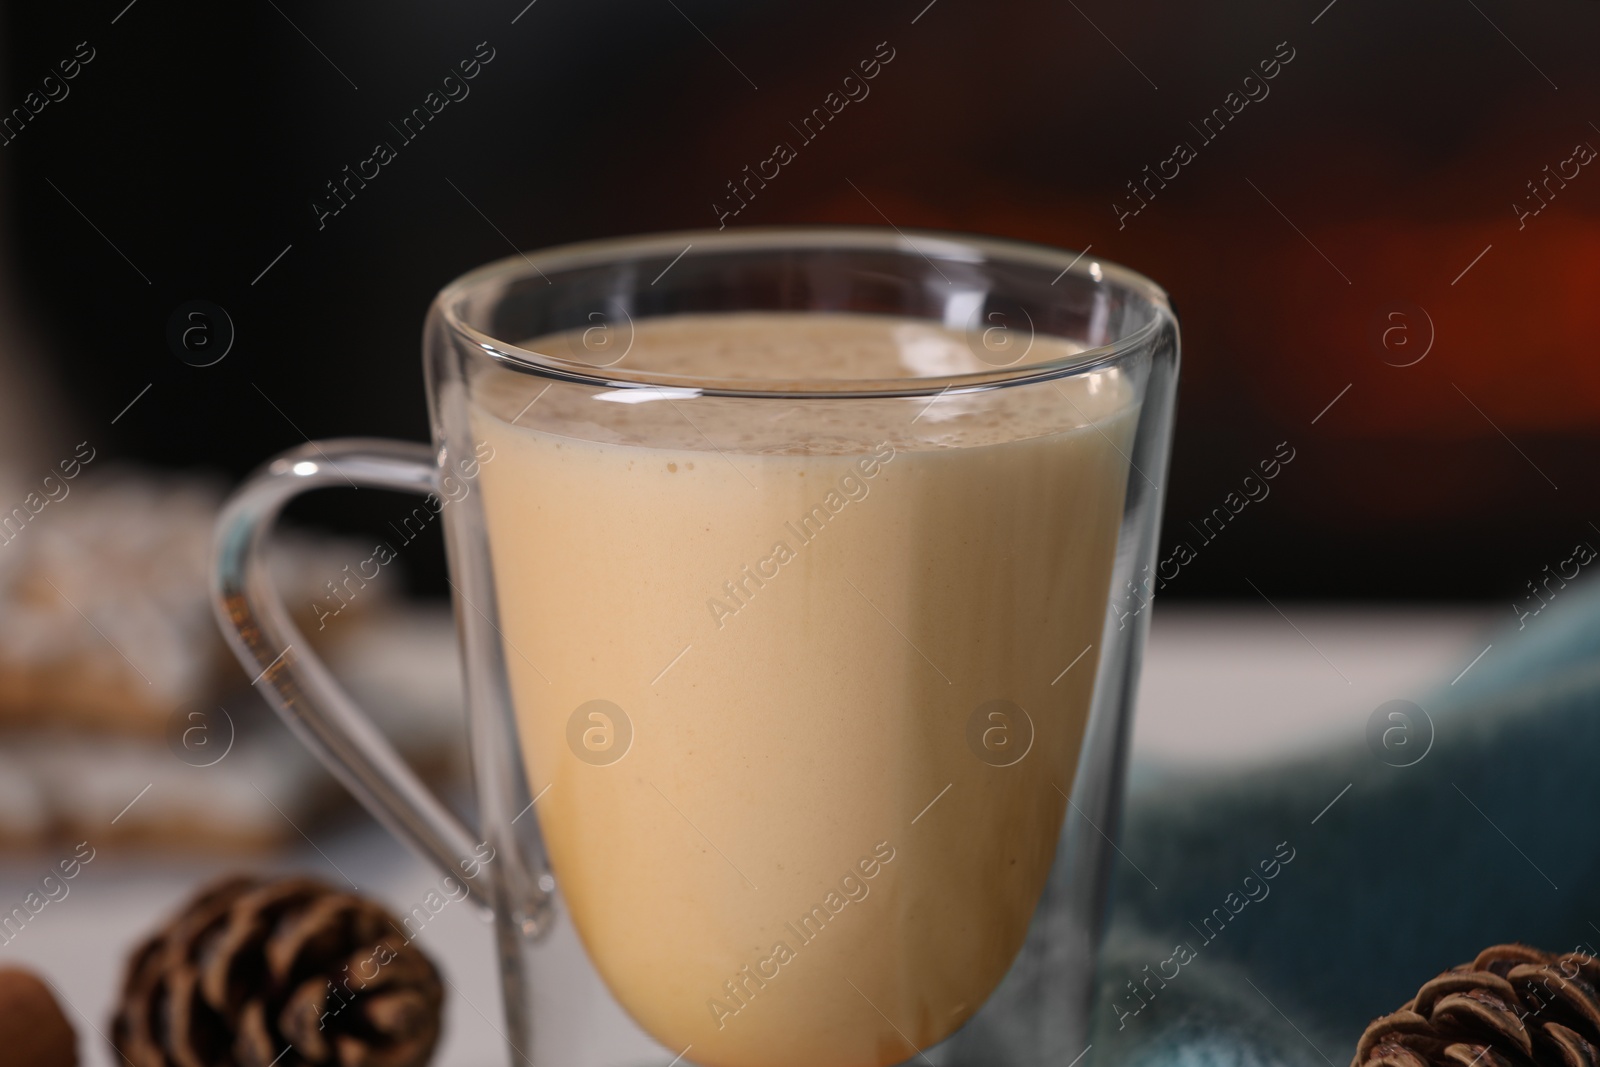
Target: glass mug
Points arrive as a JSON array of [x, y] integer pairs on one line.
[[796, 578]]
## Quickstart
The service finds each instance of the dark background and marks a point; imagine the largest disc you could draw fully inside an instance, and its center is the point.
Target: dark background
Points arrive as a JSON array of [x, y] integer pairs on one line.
[[1386, 157]]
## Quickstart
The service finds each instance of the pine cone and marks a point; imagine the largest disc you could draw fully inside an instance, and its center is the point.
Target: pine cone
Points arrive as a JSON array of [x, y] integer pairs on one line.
[[278, 973], [33, 1030], [1513, 1006]]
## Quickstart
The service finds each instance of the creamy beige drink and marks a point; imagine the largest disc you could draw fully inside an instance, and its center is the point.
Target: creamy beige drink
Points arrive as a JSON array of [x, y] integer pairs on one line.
[[832, 647]]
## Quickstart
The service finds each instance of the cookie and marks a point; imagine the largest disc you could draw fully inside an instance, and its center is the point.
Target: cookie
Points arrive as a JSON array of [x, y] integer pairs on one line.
[[105, 605]]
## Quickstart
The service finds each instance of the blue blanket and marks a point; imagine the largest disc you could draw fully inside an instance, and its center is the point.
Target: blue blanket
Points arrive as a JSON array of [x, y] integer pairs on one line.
[[1282, 925]]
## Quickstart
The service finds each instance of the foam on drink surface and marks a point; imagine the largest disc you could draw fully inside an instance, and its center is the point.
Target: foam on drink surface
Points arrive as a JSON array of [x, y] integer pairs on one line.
[[817, 846]]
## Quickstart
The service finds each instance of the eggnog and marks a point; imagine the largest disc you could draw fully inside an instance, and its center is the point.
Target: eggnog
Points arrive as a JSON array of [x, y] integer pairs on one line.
[[801, 686]]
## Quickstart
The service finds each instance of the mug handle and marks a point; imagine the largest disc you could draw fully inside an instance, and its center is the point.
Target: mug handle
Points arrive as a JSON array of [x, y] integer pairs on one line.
[[297, 684]]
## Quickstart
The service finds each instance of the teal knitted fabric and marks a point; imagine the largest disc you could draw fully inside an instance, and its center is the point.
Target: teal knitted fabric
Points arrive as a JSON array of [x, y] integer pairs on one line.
[[1414, 869]]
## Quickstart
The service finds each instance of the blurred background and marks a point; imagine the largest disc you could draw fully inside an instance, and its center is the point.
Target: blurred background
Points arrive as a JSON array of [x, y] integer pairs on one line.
[[1378, 223], [1392, 150]]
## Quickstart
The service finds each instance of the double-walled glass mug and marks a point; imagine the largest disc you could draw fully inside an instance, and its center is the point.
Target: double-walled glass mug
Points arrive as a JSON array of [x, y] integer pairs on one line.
[[797, 580]]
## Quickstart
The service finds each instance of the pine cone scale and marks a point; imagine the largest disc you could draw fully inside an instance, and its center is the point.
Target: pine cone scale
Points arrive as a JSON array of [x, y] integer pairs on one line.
[[1573, 997], [193, 1038], [320, 930], [1383, 1030], [216, 946], [1571, 1049], [253, 1041], [1392, 1055], [1465, 1055], [400, 1015], [356, 1054], [1460, 982], [301, 1022], [135, 1028], [1483, 1012]]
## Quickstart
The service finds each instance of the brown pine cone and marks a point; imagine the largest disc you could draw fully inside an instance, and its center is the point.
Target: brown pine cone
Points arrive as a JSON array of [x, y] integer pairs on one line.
[[278, 973], [1513, 1006], [33, 1030]]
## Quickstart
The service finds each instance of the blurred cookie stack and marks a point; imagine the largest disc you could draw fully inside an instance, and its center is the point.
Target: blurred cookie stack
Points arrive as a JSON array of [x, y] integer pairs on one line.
[[122, 715]]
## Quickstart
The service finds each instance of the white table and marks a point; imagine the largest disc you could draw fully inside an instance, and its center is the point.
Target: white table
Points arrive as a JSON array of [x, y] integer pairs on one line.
[[1221, 686]]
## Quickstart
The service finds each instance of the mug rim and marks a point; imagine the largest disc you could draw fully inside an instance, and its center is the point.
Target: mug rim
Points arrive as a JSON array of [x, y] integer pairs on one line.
[[948, 244]]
